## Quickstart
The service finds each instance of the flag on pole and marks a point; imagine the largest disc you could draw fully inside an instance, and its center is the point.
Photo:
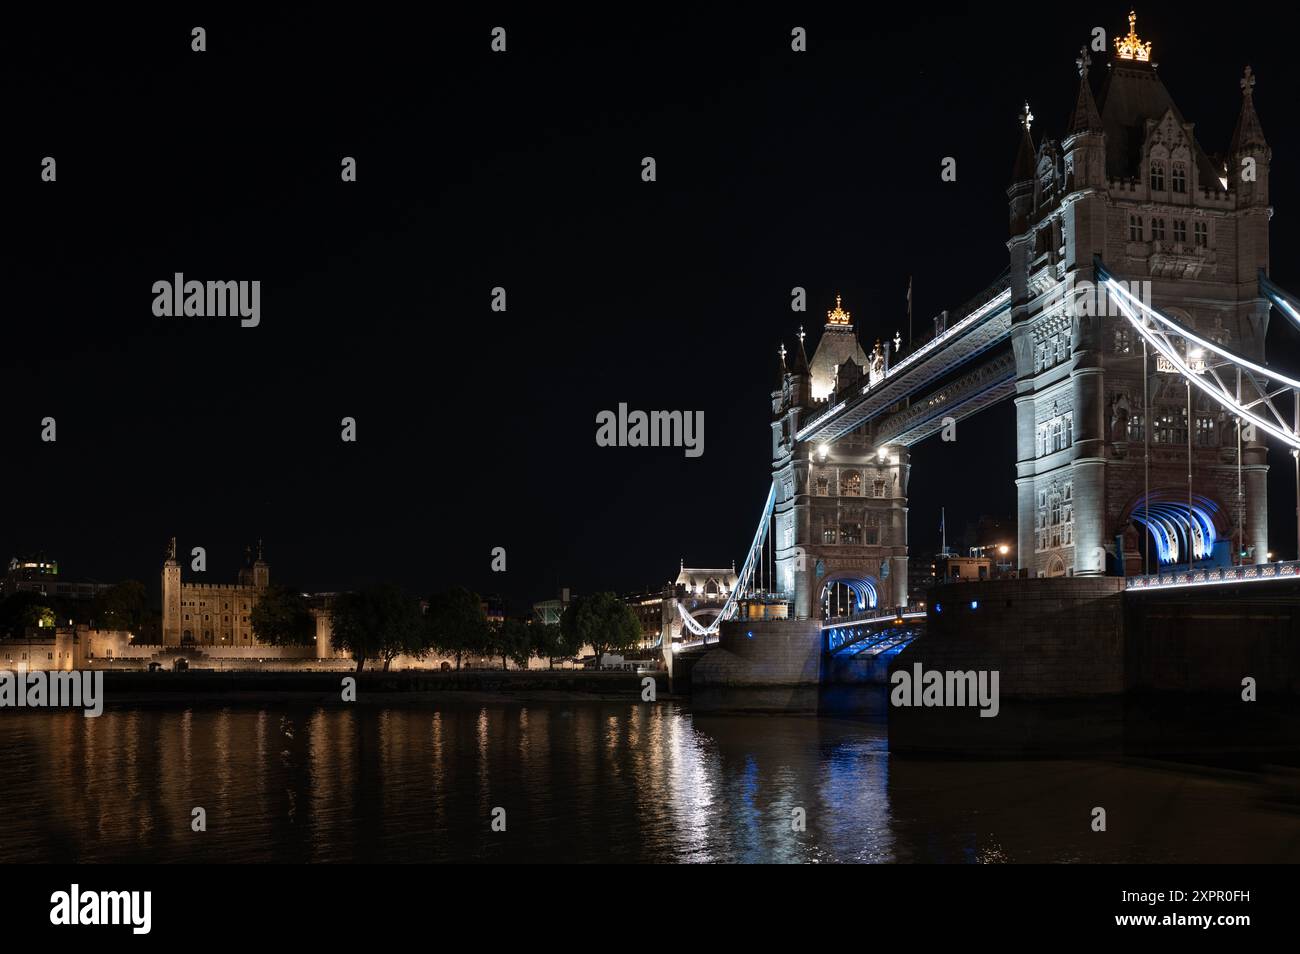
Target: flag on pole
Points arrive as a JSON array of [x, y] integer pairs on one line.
[[909, 312]]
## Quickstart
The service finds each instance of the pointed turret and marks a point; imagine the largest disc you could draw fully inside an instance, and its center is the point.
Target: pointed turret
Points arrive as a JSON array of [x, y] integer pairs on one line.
[[1248, 175], [1023, 171], [1084, 145], [1249, 134], [1086, 118], [1021, 190], [801, 357]]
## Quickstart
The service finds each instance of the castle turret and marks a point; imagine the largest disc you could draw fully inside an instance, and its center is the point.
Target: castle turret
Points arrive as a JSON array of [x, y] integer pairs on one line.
[[171, 597]]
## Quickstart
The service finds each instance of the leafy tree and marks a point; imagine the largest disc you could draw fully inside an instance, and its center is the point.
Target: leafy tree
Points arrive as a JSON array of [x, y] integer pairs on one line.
[[22, 610], [376, 622], [601, 620], [456, 624], [547, 641], [281, 617], [512, 641], [404, 633], [123, 606]]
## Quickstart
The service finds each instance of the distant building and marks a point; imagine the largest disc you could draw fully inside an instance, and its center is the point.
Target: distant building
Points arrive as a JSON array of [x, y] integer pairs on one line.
[[41, 575], [920, 575], [649, 609], [494, 609], [548, 612], [951, 568]]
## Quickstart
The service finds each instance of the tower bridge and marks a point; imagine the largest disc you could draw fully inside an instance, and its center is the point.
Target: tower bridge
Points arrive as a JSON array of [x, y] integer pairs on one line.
[[1142, 427]]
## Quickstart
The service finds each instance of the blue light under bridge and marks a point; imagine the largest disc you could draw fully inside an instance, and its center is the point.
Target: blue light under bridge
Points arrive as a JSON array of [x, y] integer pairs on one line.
[[864, 596], [1166, 518]]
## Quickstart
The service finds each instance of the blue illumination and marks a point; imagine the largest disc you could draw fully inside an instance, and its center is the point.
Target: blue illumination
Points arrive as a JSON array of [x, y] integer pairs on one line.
[[974, 604], [864, 593], [750, 634], [1166, 519], [938, 607]]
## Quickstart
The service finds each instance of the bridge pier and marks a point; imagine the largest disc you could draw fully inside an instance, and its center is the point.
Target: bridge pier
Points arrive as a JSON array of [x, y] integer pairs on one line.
[[771, 665]]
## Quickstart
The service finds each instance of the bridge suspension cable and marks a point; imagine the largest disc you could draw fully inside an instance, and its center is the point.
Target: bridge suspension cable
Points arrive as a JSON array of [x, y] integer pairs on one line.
[[744, 580], [1282, 300], [1253, 393]]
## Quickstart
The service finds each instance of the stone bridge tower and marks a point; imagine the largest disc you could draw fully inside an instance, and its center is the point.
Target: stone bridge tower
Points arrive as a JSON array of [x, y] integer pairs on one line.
[[1128, 181], [840, 513]]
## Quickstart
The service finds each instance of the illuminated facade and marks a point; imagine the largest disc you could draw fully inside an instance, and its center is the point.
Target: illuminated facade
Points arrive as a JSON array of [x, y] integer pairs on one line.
[[201, 614], [1129, 182], [839, 521]]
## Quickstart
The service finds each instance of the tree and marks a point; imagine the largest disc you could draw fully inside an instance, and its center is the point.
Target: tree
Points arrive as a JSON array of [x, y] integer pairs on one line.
[[123, 606], [378, 621], [281, 617], [547, 641], [601, 620], [404, 631], [22, 610], [456, 624], [512, 641]]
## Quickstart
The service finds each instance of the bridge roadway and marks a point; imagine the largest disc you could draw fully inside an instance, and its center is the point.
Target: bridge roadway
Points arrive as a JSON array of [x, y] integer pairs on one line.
[[983, 325]]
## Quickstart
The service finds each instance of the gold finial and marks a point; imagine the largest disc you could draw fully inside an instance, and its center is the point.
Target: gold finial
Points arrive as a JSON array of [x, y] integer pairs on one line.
[[1130, 47], [1248, 83], [837, 315]]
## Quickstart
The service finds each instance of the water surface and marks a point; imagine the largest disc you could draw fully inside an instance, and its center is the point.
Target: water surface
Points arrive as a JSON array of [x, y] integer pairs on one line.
[[583, 782]]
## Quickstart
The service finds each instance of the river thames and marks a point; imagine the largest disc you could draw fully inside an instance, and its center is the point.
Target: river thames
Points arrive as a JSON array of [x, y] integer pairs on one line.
[[585, 782]]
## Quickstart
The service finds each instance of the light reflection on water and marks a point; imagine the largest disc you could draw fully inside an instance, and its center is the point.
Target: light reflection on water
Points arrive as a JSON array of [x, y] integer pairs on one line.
[[580, 782]]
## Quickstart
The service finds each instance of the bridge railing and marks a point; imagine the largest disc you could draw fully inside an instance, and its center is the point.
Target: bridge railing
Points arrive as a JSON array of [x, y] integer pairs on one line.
[[1250, 573]]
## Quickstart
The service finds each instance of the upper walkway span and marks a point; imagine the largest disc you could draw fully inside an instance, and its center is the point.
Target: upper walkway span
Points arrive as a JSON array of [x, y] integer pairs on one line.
[[984, 324]]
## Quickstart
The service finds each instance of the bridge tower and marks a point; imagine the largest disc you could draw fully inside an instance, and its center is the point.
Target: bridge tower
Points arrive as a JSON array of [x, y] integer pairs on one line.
[[839, 519], [1129, 182]]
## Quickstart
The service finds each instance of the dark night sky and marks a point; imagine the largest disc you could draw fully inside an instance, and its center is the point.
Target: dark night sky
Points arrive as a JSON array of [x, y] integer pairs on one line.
[[477, 430]]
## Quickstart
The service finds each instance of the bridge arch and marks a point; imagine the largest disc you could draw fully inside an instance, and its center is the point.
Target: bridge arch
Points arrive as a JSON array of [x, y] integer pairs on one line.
[[1168, 523], [847, 592]]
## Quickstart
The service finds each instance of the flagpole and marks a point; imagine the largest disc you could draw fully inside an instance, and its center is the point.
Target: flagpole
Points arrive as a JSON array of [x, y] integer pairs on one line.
[[909, 313]]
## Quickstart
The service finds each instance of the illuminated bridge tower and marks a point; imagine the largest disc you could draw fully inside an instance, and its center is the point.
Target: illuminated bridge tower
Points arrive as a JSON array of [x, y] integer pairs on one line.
[[839, 519], [1129, 182]]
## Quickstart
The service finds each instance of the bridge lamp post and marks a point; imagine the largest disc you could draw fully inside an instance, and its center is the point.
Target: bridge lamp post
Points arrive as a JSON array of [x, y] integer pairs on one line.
[[1196, 363]]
